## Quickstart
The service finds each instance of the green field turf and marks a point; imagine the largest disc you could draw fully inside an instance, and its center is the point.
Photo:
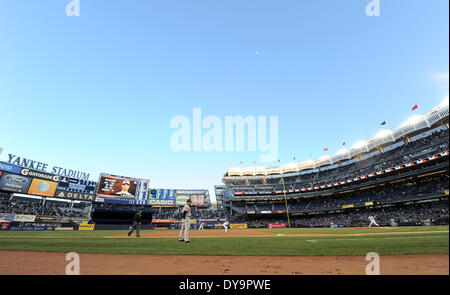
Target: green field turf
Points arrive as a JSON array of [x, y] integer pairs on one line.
[[383, 244]]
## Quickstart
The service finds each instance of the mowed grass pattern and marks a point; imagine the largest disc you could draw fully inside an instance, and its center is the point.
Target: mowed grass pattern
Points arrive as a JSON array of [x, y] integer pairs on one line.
[[407, 242]]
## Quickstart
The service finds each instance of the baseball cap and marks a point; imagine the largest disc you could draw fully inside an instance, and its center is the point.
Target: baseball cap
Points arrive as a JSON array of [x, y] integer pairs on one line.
[[126, 181], [189, 200]]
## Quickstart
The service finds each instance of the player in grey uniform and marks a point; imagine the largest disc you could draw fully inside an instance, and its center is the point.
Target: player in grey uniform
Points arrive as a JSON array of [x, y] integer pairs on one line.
[[185, 222]]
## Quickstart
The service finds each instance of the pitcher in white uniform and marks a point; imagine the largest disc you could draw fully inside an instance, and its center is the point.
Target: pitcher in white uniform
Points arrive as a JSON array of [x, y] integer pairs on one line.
[[372, 221]]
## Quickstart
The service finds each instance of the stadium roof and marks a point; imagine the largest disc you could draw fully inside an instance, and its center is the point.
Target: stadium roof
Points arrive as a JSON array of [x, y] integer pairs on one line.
[[410, 127]]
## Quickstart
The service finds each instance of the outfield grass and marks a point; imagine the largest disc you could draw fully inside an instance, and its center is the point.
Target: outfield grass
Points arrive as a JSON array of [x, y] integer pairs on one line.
[[95, 242]]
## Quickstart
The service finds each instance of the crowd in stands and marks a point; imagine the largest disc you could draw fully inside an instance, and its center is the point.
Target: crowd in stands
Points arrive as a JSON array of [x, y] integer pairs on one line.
[[39, 207], [433, 213], [385, 194], [423, 214], [435, 143]]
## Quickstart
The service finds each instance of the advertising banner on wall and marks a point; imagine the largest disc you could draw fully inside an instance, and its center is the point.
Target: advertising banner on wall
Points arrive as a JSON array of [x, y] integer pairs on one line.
[[27, 181], [45, 219], [4, 226], [155, 202], [238, 226], [7, 217], [44, 188], [165, 197], [14, 183], [24, 218], [40, 175], [181, 199], [198, 199], [163, 220], [10, 168], [74, 196], [276, 225], [84, 226]]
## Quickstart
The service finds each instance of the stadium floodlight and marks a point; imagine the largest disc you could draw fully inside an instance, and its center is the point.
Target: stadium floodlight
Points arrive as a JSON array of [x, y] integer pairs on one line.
[[383, 133], [412, 120]]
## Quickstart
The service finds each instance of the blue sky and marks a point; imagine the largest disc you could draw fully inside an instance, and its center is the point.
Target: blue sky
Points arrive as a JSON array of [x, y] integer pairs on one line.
[[97, 92]]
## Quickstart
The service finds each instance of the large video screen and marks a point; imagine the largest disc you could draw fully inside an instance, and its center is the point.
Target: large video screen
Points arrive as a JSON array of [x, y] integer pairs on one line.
[[120, 187]]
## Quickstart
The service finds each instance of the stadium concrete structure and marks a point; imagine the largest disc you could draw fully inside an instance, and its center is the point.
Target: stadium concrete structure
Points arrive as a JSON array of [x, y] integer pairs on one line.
[[405, 168], [400, 176]]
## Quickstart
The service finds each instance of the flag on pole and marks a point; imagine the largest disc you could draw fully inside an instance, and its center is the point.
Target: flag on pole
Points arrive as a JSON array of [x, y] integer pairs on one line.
[[343, 143], [384, 123], [325, 149], [415, 107]]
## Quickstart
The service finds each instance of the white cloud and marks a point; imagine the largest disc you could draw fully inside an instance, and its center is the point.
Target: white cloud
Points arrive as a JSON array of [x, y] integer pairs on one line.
[[442, 76]]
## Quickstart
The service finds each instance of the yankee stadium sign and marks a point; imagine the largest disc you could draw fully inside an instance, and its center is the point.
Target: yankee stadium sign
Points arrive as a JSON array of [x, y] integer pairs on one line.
[[35, 165]]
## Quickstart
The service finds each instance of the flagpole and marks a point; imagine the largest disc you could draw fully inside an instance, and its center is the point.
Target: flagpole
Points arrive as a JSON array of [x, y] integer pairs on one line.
[[285, 201], [285, 198]]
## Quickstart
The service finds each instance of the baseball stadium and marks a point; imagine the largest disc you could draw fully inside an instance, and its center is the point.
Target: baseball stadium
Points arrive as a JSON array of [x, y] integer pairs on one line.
[[387, 195], [211, 141]]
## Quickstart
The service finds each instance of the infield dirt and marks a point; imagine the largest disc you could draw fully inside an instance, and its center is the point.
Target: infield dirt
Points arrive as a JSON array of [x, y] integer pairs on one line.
[[43, 263]]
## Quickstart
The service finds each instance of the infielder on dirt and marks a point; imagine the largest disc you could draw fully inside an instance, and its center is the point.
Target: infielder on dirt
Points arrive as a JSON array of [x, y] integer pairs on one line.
[[202, 226], [372, 221], [185, 222]]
